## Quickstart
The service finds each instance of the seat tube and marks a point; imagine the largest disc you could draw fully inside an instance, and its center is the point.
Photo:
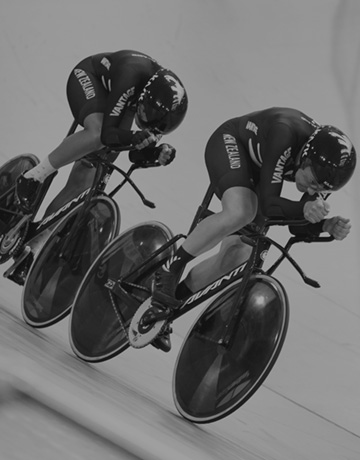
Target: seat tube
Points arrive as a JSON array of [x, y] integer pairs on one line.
[[203, 207]]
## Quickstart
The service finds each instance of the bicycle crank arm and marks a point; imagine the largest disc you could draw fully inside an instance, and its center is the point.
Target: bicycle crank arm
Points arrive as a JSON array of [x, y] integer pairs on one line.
[[15, 230], [154, 315], [141, 332]]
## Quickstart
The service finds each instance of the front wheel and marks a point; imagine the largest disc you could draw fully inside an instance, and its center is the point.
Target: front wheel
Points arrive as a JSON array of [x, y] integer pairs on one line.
[[211, 380], [100, 317], [58, 268]]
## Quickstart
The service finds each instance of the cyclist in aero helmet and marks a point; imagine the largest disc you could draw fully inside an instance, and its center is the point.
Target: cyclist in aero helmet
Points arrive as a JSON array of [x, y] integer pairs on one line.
[[163, 103], [248, 158], [107, 92], [331, 157]]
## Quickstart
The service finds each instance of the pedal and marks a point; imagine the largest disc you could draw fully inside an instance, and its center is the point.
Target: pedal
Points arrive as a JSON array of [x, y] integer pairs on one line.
[[141, 331]]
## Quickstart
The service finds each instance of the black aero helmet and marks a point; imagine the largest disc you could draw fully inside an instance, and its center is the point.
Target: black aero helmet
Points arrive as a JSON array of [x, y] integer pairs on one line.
[[331, 156], [163, 103]]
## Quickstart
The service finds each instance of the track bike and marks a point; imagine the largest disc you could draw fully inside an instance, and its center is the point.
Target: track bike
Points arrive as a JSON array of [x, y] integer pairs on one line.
[[75, 235], [233, 344]]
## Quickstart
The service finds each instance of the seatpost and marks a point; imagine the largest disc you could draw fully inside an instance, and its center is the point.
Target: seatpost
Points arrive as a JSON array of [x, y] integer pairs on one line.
[[72, 128], [203, 207]]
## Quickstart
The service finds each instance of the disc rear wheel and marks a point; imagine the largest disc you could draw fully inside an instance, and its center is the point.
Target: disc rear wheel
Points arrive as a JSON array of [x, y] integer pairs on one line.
[[61, 264], [100, 317], [213, 379]]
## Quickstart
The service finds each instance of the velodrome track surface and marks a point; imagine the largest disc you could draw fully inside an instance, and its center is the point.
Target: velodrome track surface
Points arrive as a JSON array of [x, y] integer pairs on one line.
[[234, 56], [52, 405]]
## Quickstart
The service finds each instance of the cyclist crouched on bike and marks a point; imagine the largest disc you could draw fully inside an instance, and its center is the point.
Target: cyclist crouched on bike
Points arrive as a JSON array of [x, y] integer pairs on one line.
[[248, 158], [106, 92]]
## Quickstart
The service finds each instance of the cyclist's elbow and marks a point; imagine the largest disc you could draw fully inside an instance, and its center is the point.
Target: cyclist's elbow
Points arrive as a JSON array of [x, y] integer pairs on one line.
[[266, 207], [103, 139], [270, 209], [115, 138]]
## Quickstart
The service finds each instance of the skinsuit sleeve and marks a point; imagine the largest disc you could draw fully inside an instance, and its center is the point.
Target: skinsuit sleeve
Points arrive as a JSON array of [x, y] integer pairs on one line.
[[126, 83], [277, 151]]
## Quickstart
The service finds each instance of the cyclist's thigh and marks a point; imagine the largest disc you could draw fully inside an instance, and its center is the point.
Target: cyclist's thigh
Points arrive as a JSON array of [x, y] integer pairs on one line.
[[85, 92], [80, 179], [227, 161], [81, 175]]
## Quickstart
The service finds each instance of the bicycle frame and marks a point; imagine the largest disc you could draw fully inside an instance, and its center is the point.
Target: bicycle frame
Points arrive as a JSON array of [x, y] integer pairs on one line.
[[47, 184], [253, 234], [104, 169]]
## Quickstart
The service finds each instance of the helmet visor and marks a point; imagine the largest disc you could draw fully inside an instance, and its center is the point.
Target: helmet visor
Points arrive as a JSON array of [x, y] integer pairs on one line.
[[326, 177], [149, 116]]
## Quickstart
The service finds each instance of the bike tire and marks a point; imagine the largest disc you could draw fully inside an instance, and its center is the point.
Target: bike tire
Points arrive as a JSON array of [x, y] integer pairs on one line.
[[13, 168], [9, 172], [53, 280], [210, 382], [95, 331]]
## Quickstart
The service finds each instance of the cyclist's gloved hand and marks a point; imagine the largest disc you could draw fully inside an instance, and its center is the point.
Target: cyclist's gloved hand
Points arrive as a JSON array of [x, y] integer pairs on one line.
[[145, 138], [162, 154], [317, 210], [338, 227], [166, 154]]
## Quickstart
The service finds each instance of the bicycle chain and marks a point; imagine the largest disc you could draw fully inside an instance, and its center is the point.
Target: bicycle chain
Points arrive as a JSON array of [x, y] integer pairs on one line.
[[118, 316], [21, 240], [162, 329], [17, 247]]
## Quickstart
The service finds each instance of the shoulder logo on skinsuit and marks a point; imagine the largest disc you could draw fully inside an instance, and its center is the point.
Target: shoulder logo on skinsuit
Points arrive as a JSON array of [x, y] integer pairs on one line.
[[251, 126], [121, 103], [106, 63], [279, 168], [178, 90]]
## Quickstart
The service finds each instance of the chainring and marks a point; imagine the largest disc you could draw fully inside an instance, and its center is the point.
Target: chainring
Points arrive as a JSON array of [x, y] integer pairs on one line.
[[141, 334], [10, 247]]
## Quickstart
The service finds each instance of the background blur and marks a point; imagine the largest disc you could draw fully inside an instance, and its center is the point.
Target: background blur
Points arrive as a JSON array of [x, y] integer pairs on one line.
[[234, 56]]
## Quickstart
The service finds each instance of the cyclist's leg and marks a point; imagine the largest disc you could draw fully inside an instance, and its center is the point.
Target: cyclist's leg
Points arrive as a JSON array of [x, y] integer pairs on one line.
[[239, 206], [233, 252], [235, 187], [81, 177], [230, 172], [89, 114], [79, 144]]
